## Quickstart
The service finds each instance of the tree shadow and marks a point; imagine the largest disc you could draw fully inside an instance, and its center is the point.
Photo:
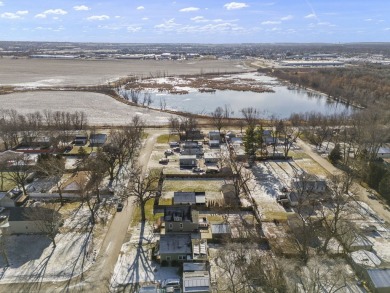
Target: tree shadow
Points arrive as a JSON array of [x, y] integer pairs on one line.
[[141, 259]]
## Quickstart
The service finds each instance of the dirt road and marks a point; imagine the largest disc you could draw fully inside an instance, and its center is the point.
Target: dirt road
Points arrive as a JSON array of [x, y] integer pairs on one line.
[[361, 192]]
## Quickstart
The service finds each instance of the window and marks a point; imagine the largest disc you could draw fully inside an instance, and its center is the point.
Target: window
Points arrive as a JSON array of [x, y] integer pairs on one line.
[[181, 225], [168, 258], [182, 257], [170, 226]]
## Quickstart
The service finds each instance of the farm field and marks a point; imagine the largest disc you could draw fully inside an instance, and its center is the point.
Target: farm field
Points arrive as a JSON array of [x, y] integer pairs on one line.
[[100, 109], [48, 72]]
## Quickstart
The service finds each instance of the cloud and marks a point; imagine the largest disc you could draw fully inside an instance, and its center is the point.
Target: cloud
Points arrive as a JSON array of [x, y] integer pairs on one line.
[[145, 18], [133, 28], [168, 25], [368, 19], [311, 15], [51, 12], [199, 19], [269, 22], [288, 17], [98, 17], [16, 15], [140, 8], [235, 5], [1, 3], [81, 8], [189, 9], [387, 29]]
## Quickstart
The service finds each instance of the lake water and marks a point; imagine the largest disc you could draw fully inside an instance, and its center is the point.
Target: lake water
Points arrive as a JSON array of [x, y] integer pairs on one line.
[[281, 103]]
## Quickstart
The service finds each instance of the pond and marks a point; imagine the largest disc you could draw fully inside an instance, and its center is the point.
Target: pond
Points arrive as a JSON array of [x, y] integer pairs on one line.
[[280, 103]]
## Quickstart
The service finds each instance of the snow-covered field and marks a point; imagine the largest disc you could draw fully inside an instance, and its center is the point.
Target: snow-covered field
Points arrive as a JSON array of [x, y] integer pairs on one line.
[[100, 109], [32, 258]]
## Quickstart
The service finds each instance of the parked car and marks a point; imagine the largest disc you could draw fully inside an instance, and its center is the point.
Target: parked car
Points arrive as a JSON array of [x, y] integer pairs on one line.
[[119, 207], [168, 152], [163, 161], [169, 283], [148, 289], [197, 170], [212, 171], [174, 144]]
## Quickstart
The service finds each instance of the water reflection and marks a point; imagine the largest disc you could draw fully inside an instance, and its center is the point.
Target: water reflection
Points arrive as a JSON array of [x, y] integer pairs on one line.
[[281, 103]]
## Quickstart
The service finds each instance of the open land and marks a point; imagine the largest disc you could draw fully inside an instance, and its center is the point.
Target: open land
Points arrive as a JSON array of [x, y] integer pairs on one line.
[[42, 72], [100, 109]]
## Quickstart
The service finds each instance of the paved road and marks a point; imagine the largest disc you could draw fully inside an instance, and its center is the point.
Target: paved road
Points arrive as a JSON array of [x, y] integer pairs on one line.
[[361, 192], [97, 278]]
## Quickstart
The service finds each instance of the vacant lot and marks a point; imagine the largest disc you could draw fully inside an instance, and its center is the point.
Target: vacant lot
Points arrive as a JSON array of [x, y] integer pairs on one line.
[[47, 72], [100, 109]]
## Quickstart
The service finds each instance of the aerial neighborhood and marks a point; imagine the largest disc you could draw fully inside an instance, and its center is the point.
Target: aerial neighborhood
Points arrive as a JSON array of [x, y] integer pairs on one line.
[[117, 187]]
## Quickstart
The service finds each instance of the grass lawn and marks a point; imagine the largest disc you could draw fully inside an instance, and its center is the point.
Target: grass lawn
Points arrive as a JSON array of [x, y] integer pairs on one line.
[[296, 155], [5, 183], [75, 150], [150, 217], [210, 185], [165, 138]]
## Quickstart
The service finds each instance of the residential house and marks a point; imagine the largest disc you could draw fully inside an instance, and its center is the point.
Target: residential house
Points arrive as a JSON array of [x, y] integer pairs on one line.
[[211, 158], [174, 248], [192, 151], [190, 145], [188, 161], [6, 200], [181, 219], [97, 140], [27, 220], [214, 135], [308, 183]]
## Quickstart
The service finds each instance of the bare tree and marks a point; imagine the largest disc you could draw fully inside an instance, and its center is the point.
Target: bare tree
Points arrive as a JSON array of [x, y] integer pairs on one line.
[[3, 247], [47, 220], [19, 171], [53, 167], [141, 188], [251, 115], [218, 118]]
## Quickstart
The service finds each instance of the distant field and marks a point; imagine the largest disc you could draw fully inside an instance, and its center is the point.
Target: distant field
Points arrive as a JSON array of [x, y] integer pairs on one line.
[[49, 72], [100, 109]]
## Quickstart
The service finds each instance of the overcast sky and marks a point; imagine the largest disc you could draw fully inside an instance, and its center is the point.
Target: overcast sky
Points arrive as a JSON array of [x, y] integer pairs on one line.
[[196, 21]]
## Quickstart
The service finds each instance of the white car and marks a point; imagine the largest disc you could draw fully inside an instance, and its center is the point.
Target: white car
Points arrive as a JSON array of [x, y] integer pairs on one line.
[[170, 283]]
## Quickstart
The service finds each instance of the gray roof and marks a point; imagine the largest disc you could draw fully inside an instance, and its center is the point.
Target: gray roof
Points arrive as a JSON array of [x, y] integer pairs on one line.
[[187, 157], [220, 229], [184, 198], [380, 278], [194, 266], [175, 244], [25, 214], [98, 138], [196, 282]]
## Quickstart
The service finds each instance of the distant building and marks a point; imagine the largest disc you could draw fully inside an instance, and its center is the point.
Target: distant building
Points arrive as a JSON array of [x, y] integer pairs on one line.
[[196, 282], [97, 139], [188, 161], [379, 280], [189, 198]]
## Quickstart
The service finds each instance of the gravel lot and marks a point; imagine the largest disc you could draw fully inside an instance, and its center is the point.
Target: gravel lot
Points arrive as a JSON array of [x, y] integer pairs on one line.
[[100, 109], [49, 72]]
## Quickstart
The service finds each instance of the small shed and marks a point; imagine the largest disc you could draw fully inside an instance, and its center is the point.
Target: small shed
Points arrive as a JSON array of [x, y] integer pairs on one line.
[[80, 140], [221, 230], [188, 161], [379, 280]]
